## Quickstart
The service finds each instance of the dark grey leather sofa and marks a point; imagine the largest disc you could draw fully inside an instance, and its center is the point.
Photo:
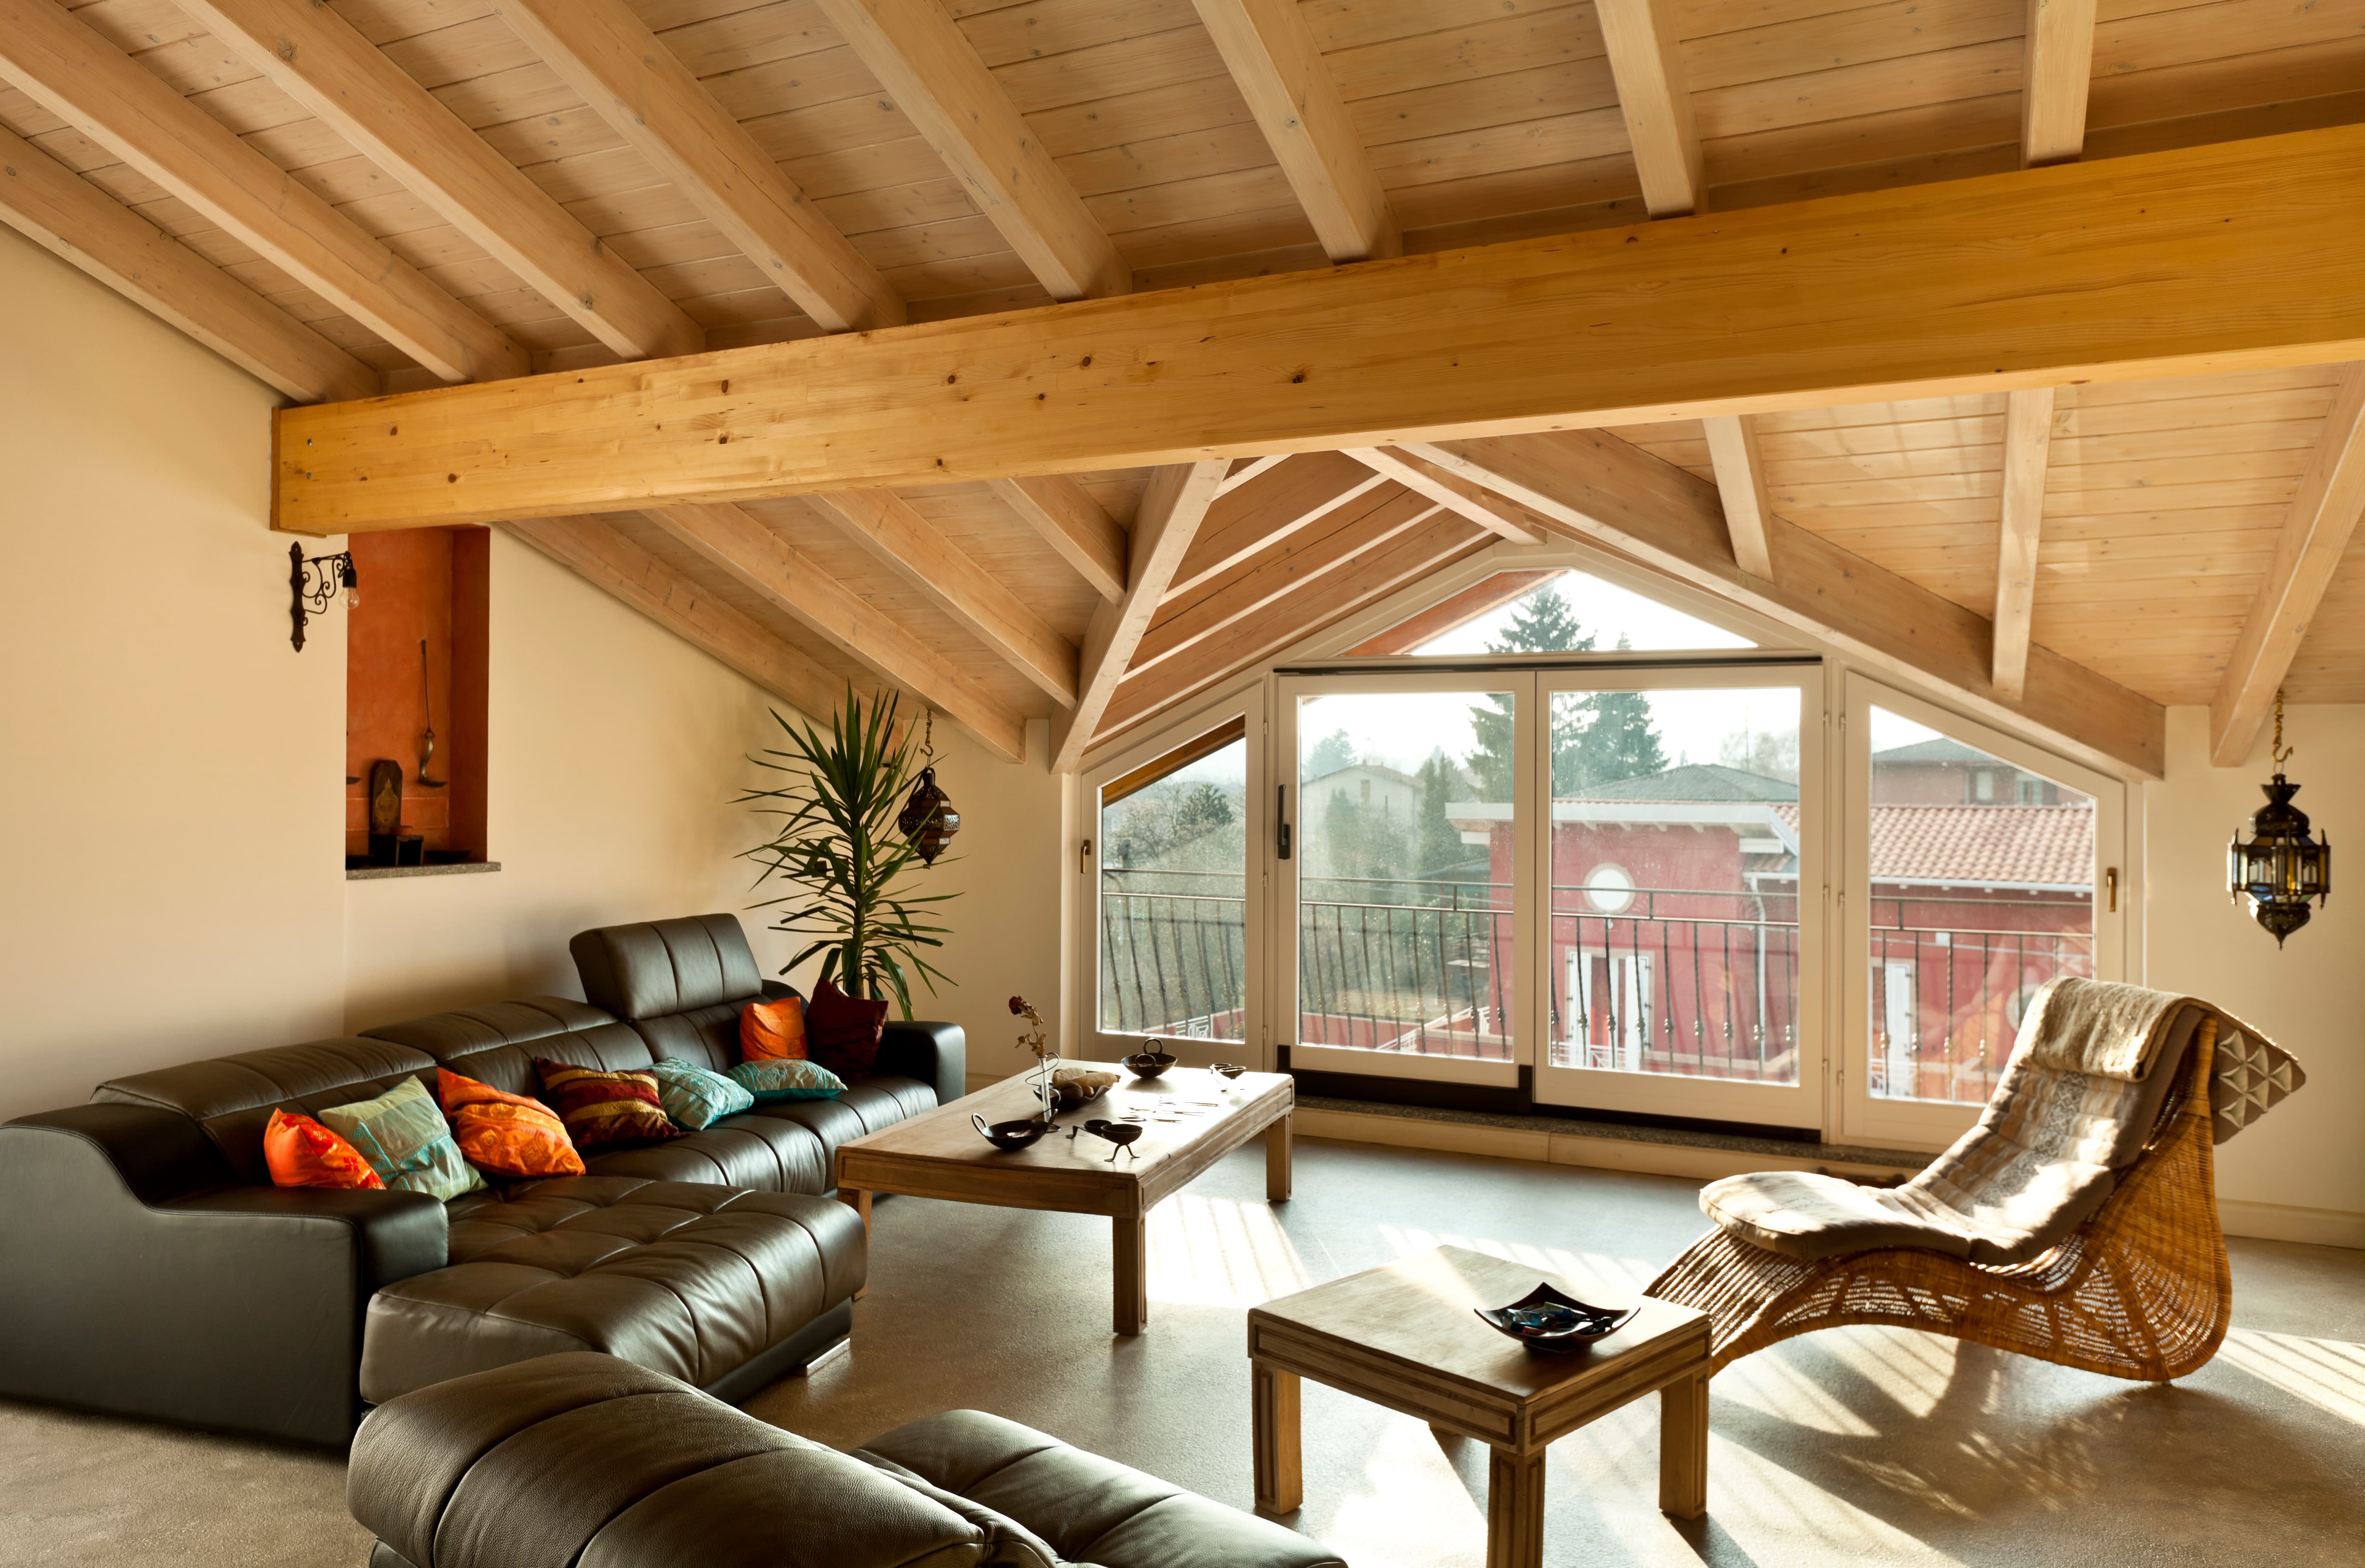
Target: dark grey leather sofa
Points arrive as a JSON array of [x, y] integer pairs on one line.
[[585, 1461], [150, 1270]]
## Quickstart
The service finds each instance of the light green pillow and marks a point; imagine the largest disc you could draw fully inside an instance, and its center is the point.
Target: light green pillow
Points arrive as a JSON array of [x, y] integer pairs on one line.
[[694, 1097], [406, 1140], [800, 1080]]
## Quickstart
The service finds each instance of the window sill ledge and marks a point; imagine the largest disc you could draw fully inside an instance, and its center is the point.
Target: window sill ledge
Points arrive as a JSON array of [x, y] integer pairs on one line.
[[388, 873]]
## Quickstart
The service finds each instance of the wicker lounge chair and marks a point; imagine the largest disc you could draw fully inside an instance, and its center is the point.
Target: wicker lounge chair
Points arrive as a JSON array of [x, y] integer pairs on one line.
[[2077, 1222]]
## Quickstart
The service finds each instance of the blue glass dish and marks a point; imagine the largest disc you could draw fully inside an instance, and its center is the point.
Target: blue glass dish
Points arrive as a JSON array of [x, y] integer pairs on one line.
[[1545, 1319]]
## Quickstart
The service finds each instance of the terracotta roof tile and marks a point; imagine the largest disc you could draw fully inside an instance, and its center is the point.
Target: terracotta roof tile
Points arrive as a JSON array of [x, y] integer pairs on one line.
[[2052, 845]]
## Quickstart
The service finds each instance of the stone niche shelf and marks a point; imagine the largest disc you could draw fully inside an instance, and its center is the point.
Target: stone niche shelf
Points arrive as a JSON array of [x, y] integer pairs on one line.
[[387, 873]]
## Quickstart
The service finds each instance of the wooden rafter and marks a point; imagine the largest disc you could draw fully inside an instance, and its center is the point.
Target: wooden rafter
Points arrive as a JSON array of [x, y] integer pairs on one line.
[[2058, 63], [1640, 37], [1740, 482], [1269, 49], [1502, 517], [1482, 598], [2027, 442], [2121, 270], [594, 550], [1072, 523], [1172, 511], [1271, 506], [67, 215], [926, 62], [633, 81], [761, 560], [1604, 489], [56, 59], [2315, 534], [315, 56], [884, 523]]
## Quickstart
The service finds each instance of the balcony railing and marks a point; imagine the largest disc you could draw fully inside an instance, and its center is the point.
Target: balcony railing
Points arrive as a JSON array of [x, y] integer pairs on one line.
[[1409, 965], [1173, 953], [1947, 999]]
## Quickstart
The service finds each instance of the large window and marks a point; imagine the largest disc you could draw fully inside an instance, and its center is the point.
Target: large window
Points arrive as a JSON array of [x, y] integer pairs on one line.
[[1173, 892]]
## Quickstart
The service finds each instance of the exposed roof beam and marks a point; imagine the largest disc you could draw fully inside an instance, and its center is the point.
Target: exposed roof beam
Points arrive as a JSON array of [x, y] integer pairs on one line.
[[1247, 469], [2120, 269], [1604, 489], [66, 215], [1639, 38], [1485, 595], [926, 62], [597, 551], [67, 67], [762, 561], [1362, 577], [2027, 442], [1482, 506], [1276, 503], [633, 82], [1071, 522], [317, 58], [1170, 513], [1274, 61], [2059, 62], [1740, 482], [884, 523], [2316, 535]]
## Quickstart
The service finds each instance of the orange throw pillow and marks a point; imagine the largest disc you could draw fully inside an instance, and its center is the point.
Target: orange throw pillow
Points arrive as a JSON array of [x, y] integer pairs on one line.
[[772, 1031], [506, 1135], [302, 1153]]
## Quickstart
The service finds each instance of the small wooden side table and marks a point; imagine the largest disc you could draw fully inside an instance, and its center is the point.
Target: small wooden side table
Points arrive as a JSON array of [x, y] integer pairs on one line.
[[1404, 1336]]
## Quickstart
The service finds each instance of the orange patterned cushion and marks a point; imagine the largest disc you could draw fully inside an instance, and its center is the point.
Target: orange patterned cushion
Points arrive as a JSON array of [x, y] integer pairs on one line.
[[772, 1031], [603, 1108], [302, 1153], [507, 1135]]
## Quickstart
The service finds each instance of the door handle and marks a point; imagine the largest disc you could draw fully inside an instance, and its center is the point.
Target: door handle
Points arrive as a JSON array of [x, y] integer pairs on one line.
[[1281, 813]]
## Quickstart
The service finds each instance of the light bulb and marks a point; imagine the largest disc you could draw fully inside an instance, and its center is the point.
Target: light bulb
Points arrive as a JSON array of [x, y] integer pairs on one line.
[[353, 595]]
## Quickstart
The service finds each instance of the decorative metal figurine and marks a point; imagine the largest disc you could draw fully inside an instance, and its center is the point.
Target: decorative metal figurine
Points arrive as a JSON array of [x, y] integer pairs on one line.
[[427, 739], [1122, 1134], [2280, 866], [928, 820], [313, 583]]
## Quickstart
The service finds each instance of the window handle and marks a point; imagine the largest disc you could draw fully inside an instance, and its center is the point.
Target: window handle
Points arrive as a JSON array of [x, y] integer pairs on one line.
[[2111, 887], [1281, 813]]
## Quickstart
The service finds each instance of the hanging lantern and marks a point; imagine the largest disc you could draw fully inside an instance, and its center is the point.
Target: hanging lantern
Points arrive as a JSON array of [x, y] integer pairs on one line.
[[2279, 865], [928, 820]]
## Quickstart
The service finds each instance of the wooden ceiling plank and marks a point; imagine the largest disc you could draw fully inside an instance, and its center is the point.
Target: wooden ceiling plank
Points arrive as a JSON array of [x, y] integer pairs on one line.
[[316, 57], [2027, 446], [927, 65], [886, 525], [1247, 469], [2060, 64], [1480, 505], [632, 80], [1741, 481], [2121, 270], [1072, 523], [1640, 36], [71, 217], [2315, 534], [65, 65], [596, 550], [1172, 511], [1604, 489], [1269, 49], [769, 565], [1286, 497]]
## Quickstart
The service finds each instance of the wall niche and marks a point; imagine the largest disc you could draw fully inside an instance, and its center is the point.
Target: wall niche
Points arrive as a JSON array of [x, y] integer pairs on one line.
[[415, 669]]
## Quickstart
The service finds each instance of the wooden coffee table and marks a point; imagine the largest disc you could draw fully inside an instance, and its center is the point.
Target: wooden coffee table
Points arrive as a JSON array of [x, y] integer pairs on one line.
[[940, 1155], [1404, 1336]]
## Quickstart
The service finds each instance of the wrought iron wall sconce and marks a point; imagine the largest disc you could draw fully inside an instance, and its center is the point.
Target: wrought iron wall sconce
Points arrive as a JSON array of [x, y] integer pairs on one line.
[[2280, 866], [312, 583]]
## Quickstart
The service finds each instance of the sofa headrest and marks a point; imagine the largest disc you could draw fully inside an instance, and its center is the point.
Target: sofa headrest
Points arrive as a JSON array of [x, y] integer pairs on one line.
[[496, 1044], [232, 1097], [666, 966]]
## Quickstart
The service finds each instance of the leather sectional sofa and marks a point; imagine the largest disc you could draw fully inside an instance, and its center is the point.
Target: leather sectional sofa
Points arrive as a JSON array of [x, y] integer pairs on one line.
[[585, 1461], [153, 1271]]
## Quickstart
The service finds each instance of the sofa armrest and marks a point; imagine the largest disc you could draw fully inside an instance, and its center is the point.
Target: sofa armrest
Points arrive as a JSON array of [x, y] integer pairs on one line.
[[935, 1054]]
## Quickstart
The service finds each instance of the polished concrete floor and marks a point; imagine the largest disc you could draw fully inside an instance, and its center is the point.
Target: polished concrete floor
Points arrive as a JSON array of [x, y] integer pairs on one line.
[[1852, 1446]]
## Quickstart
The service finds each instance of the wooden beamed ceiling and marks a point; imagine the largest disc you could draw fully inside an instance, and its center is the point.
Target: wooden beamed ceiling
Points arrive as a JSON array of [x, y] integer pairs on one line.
[[2126, 477]]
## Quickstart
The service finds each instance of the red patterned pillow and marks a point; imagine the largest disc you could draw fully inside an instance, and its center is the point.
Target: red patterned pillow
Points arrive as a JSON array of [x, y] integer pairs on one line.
[[603, 1109], [841, 1033]]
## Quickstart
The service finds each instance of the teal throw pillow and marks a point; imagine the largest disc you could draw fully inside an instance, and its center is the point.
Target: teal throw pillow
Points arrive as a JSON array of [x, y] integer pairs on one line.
[[771, 1080], [406, 1140], [694, 1097]]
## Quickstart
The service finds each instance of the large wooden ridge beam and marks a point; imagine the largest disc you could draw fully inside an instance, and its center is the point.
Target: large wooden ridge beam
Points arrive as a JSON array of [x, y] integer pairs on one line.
[[2234, 255]]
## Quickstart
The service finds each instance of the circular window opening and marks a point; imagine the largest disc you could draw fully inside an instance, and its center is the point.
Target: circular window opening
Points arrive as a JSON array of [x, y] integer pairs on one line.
[[1609, 888]]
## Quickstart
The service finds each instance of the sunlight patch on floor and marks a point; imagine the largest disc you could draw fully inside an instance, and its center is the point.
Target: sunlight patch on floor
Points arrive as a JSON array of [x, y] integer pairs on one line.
[[1771, 1386], [2326, 1373], [1627, 1275], [1220, 1252], [1751, 1496], [1915, 1370]]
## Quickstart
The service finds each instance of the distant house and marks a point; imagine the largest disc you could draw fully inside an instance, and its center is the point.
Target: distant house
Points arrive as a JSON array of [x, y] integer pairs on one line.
[[1940, 772], [1382, 792]]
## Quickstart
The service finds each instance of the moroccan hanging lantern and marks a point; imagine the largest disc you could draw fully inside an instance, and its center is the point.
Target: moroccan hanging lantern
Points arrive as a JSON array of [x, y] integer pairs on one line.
[[2280, 866], [928, 820]]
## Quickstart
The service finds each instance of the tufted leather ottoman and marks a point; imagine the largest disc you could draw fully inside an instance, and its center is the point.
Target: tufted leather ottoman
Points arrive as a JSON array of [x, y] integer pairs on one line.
[[722, 1288]]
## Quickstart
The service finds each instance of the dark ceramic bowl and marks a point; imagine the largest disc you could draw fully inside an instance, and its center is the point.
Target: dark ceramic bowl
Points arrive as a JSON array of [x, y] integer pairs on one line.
[[1544, 1319], [1017, 1135], [1148, 1064]]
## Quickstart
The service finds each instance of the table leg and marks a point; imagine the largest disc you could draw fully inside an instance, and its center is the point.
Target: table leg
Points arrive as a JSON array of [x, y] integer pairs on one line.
[[1277, 1142], [1683, 1448], [1279, 1458], [1132, 1270], [859, 1200], [1515, 1509]]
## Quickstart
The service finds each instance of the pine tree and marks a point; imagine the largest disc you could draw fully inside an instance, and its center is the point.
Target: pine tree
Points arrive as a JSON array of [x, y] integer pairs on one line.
[[1332, 753], [1622, 743], [1202, 810], [1542, 623], [1440, 841]]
